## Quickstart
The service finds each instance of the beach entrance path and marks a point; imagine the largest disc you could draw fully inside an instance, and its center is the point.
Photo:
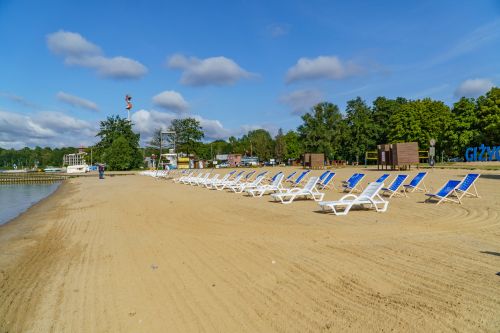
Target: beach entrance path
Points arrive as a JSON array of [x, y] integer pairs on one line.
[[133, 254]]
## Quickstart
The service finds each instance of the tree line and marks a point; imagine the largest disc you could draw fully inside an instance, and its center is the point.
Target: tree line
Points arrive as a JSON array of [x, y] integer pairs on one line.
[[325, 129], [361, 127]]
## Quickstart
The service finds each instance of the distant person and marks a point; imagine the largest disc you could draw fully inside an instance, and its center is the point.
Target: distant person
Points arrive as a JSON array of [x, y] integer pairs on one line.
[[101, 171]]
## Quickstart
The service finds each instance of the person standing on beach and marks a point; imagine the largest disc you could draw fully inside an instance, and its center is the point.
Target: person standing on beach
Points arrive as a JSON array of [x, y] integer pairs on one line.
[[101, 171]]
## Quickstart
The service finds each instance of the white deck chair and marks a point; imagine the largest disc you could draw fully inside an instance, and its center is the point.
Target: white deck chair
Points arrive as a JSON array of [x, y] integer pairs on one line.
[[219, 186], [184, 177], [210, 180], [201, 179], [238, 188], [193, 177], [308, 190], [275, 186], [370, 196], [211, 184]]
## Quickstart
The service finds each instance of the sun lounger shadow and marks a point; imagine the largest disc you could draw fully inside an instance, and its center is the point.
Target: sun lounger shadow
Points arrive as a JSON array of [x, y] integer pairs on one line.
[[491, 253]]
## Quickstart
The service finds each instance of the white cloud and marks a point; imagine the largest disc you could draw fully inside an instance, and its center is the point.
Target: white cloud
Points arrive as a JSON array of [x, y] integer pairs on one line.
[[19, 100], [473, 87], [51, 129], [277, 30], [146, 121], [171, 100], [77, 51], [71, 44], [77, 101], [210, 71], [301, 101], [322, 67], [213, 129]]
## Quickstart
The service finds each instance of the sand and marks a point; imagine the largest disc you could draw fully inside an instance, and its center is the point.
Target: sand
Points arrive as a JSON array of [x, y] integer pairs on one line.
[[135, 254]]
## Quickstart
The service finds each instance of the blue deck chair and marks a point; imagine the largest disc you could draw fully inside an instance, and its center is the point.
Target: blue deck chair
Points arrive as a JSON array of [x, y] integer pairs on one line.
[[327, 183], [382, 178], [415, 183], [300, 178], [393, 189], [323, 175], [354, 175], [445, 192], [467, 185], [353, 183], [289, 177]]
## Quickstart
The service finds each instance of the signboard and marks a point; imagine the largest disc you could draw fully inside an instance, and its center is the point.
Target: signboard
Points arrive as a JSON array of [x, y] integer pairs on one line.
[[482, 153]]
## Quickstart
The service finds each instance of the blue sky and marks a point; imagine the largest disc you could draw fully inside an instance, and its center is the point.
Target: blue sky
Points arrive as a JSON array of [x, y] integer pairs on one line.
[[233, 65]]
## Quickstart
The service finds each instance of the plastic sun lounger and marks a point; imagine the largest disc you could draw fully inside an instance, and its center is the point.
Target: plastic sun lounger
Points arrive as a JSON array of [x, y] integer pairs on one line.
[[370, 196], [289, 177], [238, 188], [327, 183], [353, 183], [182, 178], [188, 178], [229, 178], [394, 188], [209, 180], [228, 183], [300, 178], [273, 178], [464, 189], [211, 184], [415, 182], [199, 179], [308, 190], [274, 187], [444, 194]]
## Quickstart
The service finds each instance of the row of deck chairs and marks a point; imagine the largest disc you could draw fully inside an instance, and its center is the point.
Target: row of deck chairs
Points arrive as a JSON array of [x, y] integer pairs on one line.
[[452, 191], [373, 195]]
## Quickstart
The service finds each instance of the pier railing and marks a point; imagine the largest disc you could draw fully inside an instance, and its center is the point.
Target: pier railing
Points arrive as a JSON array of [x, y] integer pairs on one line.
[[30, 178]]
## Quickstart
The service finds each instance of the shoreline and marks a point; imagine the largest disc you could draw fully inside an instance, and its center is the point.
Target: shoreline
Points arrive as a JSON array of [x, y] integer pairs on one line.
[[60, 183], [25, 221], [134, 254]]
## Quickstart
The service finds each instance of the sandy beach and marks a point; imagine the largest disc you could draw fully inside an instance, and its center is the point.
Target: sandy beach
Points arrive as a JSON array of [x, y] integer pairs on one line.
[[135, 254]]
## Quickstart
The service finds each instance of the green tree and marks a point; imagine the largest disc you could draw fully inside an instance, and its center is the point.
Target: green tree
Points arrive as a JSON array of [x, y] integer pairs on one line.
[[120, 156], [188, 134], [111, 129], [293, 149], [280, 146], [383, 109], [488, 112], [321, 130], [261, 144], [464, 126], [361, 129]]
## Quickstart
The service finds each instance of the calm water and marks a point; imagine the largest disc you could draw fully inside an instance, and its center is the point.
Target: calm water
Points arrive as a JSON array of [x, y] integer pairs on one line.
[[15, 199]]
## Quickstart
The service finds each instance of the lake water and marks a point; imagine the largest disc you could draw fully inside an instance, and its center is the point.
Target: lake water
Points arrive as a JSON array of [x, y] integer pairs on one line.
[[17, 198]]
